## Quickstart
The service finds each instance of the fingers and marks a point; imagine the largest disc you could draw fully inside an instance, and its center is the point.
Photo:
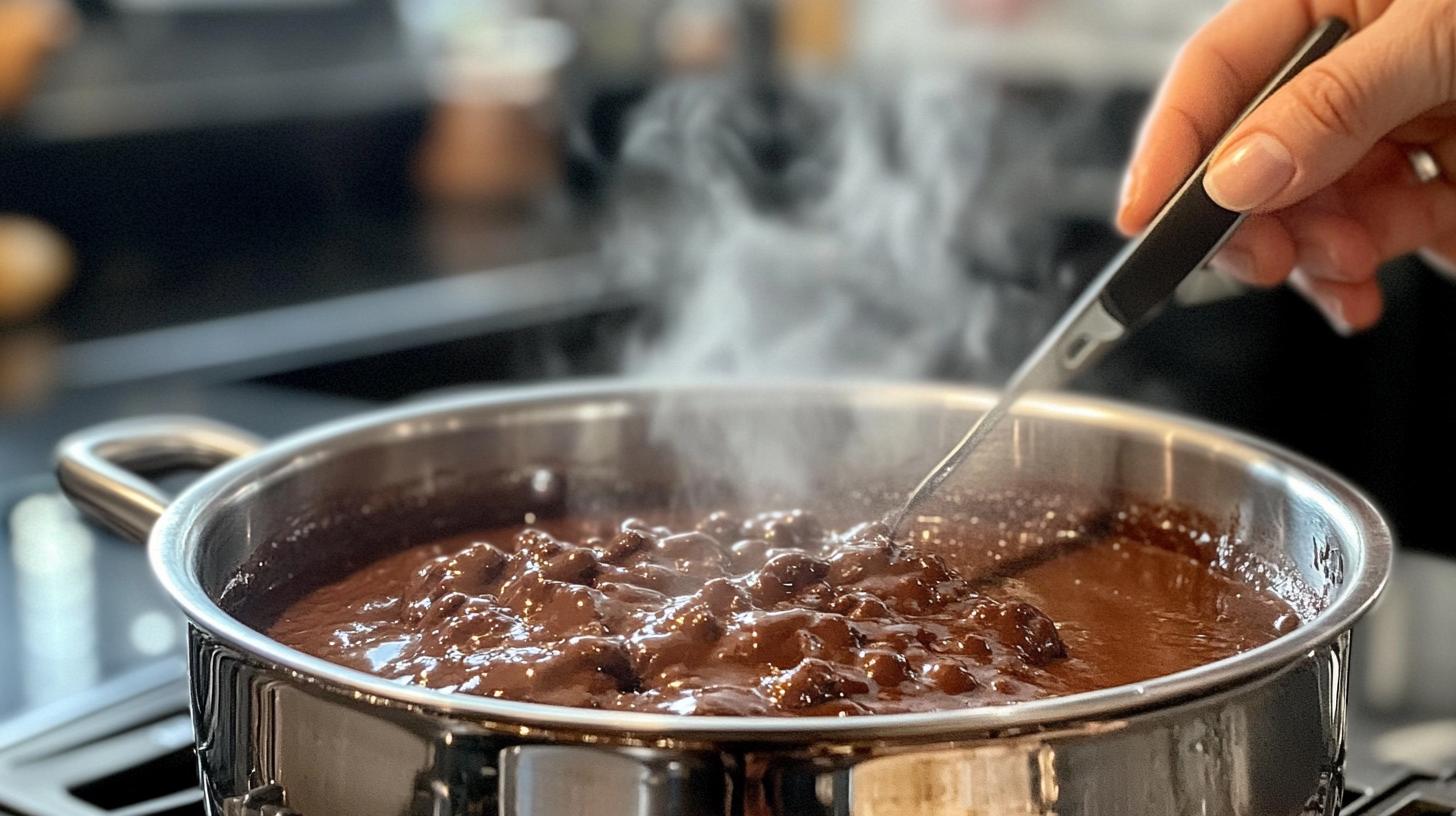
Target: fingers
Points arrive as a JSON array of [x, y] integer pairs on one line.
[[1318, 126], [1333, 242], [1338, 238], [1322, 164], [1168, 149], [1347, 295], [1320, 238], [1440, 254], [1401, 219], [1347, 307], [1336, 260], [1215, 75], [1260, 253]]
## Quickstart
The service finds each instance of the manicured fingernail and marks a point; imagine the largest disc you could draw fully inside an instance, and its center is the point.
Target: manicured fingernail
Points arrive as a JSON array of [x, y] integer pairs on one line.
[[1250, 172], [1438, 262], [1328, 305], [1334, 312], [1236, 263]]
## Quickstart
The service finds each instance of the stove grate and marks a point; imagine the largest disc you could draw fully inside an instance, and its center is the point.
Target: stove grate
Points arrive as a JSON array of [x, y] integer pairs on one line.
[[123, 750]]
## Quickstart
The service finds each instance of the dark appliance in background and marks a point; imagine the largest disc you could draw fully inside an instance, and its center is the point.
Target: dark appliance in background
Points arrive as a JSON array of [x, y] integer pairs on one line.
[[206, 158], [253, 246]]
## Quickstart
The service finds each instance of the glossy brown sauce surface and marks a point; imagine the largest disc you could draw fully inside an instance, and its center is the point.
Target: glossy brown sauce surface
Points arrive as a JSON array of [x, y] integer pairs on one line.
[[774, 614]]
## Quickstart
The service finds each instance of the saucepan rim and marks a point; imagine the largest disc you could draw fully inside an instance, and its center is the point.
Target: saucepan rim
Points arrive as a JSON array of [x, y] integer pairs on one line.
[[175, 549]]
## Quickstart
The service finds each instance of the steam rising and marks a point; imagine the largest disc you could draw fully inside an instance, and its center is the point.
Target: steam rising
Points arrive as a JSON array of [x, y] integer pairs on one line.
[[865, 230], [846, 229]]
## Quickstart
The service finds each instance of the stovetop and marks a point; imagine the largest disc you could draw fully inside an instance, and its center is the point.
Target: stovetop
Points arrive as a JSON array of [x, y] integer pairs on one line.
[[92, 695], [93, 709]]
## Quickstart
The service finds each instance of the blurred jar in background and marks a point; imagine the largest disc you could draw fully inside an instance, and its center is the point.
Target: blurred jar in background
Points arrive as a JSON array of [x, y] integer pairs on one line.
[[697, 36], [36, 266], [494, 136], [37, 263], [29, 31], [813, 34]]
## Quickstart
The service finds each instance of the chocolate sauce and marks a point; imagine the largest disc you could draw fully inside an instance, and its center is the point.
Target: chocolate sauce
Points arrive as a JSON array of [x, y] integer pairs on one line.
[[774, 614]]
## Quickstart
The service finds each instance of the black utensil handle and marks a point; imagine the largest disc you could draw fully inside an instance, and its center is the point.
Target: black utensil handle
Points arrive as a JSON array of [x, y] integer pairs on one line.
[[1191, 227]]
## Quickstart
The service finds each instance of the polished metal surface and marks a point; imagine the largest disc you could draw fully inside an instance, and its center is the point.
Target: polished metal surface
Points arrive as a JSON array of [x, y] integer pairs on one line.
[[1271, 746], [1258, 733], [98, 467]]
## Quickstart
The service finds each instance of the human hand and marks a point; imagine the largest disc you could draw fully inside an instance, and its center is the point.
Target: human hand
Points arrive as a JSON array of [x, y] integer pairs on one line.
[[1323, 166]]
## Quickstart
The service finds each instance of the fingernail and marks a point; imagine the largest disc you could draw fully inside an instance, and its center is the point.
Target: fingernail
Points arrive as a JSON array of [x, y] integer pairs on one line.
[[1438, 262], [1236, 263], [1328, 305], [1321, 261], [1249, 173], [1334, 312]]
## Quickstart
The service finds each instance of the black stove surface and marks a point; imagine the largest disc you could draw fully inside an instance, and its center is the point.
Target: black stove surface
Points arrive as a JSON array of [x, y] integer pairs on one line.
[[80, 606], [93, 711]]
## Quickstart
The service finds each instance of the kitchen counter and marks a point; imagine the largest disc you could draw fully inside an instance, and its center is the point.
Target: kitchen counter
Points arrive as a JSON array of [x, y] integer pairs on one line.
[[137, 336]]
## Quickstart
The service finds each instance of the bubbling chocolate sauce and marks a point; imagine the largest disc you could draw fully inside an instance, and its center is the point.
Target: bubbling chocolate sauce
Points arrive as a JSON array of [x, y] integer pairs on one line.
[[774, 614]]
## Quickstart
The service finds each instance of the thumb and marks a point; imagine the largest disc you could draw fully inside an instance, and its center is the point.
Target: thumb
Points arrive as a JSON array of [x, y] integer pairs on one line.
[[1315, 128]]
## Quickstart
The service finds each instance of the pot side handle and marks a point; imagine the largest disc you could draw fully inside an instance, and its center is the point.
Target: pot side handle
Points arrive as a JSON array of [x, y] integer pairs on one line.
[[102, 469]]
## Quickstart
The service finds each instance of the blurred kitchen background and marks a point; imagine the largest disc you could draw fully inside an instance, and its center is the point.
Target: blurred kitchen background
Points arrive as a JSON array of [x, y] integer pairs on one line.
[[219, 205], [278, 212]]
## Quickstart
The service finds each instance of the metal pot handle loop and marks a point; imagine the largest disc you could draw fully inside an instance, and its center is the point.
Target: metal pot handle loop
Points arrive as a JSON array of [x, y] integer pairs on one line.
[[100, 468]]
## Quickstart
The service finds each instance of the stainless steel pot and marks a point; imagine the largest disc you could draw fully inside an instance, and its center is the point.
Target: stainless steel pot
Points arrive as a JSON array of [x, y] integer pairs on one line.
[[280, 732]]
